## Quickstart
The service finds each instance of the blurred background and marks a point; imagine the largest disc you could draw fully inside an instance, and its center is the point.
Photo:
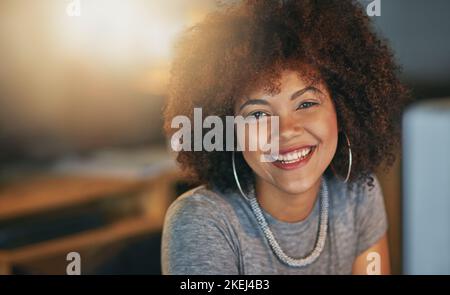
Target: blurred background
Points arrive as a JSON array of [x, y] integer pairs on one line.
[[84, 165]]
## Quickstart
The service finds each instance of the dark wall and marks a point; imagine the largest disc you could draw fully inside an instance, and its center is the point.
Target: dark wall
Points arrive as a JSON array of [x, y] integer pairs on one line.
[[419, 33]]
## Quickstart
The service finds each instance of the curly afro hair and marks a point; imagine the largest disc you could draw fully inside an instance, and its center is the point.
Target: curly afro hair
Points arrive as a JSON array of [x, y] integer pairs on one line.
[[246, 46]]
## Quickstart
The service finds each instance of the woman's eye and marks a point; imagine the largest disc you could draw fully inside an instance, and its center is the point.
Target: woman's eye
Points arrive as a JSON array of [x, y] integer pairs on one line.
[[307, 104], [258, 114]]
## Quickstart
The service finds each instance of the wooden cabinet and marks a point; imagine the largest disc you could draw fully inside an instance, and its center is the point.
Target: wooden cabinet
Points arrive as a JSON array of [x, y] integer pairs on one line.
[[147, 199]]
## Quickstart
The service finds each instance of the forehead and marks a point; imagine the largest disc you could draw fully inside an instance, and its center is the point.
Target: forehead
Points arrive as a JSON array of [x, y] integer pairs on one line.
[[289, 81]]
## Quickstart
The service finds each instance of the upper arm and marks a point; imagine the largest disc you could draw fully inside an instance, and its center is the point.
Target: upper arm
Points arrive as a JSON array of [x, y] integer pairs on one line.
[[374, 260], [372, 224], [196, 240]]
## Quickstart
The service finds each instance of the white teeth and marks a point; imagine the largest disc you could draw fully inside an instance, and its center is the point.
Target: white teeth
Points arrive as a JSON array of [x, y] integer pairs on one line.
[[294, 156]]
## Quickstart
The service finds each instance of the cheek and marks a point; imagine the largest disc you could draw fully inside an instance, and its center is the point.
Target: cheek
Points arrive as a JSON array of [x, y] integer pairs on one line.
[[323, 127], [252, 160], [256, 138], [329, 134], [250, 155]]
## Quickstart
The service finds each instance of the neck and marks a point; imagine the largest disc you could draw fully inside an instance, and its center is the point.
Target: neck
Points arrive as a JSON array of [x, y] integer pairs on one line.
[[285, 206]]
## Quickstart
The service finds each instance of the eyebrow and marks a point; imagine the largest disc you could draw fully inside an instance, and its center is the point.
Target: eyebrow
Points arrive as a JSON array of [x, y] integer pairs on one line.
[[259, 101], [303, 91]]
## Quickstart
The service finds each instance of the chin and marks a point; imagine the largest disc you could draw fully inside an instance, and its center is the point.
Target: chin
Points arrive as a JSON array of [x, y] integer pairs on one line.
[[295, 187]]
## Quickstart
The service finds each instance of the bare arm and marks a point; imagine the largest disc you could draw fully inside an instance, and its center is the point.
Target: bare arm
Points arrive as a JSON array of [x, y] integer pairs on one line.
[[365, 260]]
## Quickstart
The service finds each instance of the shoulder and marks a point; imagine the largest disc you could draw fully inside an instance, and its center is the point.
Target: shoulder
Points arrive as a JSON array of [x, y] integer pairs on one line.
[[357, 192], [358, 200], [360, 211], [368, 191], [198, 204], [197, 237]]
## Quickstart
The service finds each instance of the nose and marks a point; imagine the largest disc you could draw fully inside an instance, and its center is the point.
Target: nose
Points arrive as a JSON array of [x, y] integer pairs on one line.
[[290, 127]]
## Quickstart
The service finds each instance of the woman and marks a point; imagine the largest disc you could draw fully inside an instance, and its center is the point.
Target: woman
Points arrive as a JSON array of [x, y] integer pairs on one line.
[[332, 83]]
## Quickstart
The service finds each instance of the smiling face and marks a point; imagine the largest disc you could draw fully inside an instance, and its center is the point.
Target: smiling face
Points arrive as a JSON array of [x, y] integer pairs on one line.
[[308, 133]]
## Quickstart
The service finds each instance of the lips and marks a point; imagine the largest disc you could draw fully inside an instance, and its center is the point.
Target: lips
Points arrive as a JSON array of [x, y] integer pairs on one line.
[[293, 158]]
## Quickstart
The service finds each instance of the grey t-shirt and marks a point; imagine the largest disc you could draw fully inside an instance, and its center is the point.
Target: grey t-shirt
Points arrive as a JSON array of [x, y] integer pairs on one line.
[[209, 232]]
